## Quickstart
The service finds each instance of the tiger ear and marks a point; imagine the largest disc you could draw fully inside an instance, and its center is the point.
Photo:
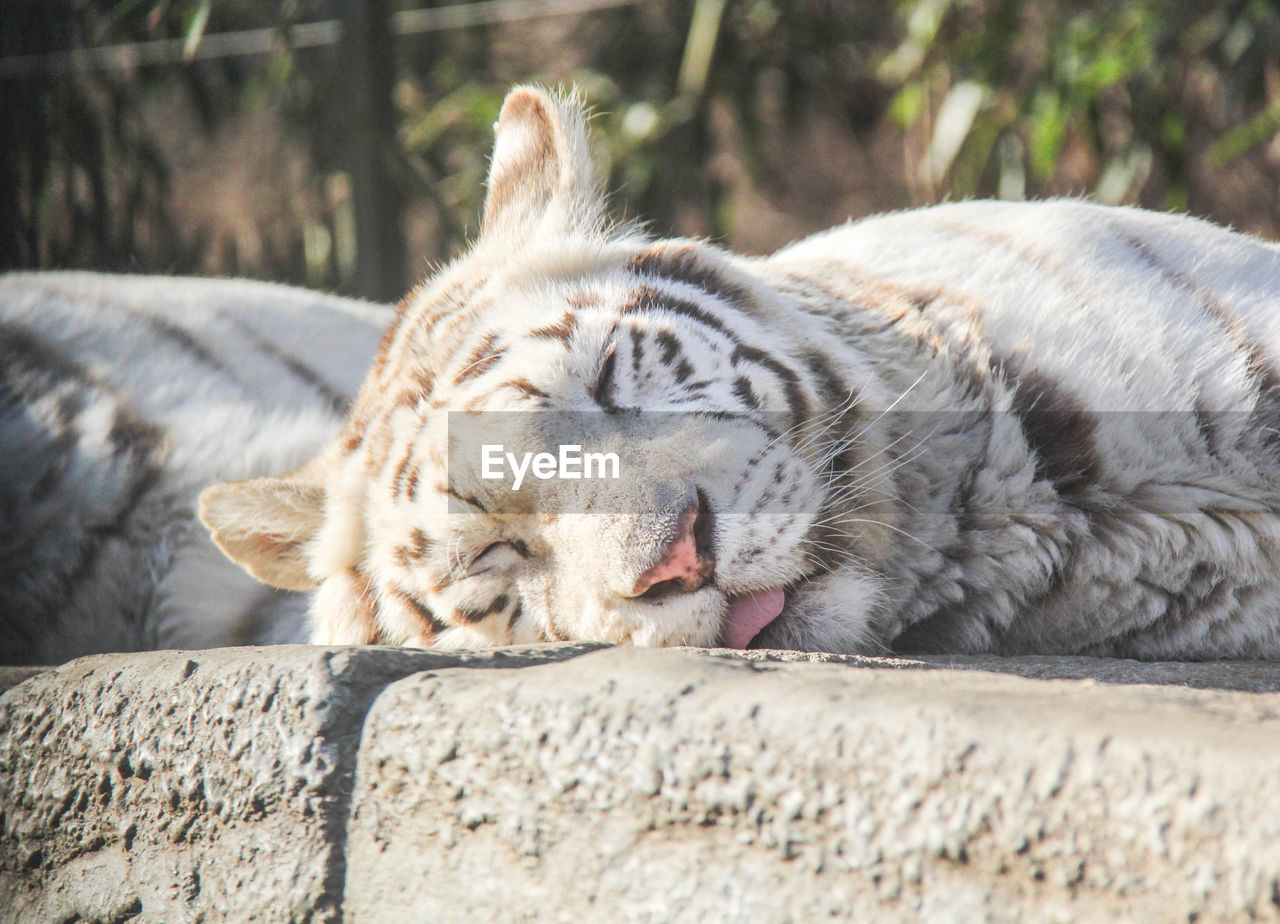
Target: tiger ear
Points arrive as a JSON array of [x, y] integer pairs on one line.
[[542, 176], [265, 526]]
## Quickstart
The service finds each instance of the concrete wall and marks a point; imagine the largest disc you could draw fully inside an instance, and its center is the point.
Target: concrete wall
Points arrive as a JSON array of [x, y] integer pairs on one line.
[[579, 782]]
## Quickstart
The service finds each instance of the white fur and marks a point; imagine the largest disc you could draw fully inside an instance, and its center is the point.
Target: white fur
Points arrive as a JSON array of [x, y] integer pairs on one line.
[[226, 408]]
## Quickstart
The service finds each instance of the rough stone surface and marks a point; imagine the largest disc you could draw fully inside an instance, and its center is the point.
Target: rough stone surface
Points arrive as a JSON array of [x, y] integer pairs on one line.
[[1246, 676], [643, 785], [174, 785], [12, 676], [367, 784]]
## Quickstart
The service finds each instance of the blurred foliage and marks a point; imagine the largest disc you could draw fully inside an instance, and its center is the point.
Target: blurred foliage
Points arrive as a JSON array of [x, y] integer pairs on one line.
[[242, 164], [1006, 89]]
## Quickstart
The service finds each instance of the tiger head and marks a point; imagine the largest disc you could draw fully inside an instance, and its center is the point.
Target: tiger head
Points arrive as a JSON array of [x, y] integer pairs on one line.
[[717, 415]]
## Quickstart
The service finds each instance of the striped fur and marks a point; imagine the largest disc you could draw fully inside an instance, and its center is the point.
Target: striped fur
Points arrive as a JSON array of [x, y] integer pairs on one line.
[[979, 427], [120, 398]]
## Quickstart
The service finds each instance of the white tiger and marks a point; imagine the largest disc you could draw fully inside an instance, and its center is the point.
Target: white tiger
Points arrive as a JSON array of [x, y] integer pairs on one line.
[[120, 398], [1004, 427], [978, 427]]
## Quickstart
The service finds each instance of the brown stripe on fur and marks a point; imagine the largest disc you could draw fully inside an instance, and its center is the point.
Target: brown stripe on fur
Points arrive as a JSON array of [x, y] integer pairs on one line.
[[683, 263], [389, 337], [352, 436], [422, 543], [377, 445], [187, 342], [32, 371], [530, 181], [1044, 260], [141, 440], [432, 626], [527, 389], [415, 481], [409, 397], [485, 400], [27, 359], [939, 320], [366, 609], [481, 359], [398, 477], [417, 317], [561, 330]]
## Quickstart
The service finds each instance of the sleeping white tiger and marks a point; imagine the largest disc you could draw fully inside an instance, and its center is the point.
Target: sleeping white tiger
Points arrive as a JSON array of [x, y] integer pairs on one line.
[[978, 427], [120, 398]]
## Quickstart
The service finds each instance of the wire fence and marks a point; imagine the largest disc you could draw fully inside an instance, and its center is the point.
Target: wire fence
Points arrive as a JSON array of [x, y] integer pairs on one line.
[[132, 55]]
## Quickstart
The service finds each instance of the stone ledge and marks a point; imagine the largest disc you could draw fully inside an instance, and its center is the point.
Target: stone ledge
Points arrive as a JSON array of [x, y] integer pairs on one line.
[[1243, 676], [173, 785], [647, 785], [301, 783]]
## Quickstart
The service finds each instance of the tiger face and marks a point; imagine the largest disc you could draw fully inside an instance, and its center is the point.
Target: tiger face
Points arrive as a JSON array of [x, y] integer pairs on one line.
[[557, 342]]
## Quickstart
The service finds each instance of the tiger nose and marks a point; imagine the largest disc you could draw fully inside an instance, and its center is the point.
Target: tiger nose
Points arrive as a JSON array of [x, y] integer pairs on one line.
[[686, 564]]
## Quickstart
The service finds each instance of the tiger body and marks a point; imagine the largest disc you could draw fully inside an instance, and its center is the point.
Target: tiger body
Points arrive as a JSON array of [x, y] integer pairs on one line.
[[1104, 477], [1017, 428], [121, 397]]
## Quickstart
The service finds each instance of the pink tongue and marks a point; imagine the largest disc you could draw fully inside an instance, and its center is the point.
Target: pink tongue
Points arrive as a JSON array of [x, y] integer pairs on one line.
[[749, 614]]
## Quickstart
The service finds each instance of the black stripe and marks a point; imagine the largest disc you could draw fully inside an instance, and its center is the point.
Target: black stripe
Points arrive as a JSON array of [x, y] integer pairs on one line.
[[1057, 427], [101, 534], [470, 614], [744, 393], [22, 350], [637, 350], [647, 299], [602, 392], [670, 346], [1258, 360], [185, 341], [834, 389], [683, 265], [336, 400], [790, 381]]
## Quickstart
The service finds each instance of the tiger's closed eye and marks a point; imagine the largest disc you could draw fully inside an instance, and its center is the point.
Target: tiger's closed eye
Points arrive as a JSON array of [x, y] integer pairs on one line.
[[497, 555]]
